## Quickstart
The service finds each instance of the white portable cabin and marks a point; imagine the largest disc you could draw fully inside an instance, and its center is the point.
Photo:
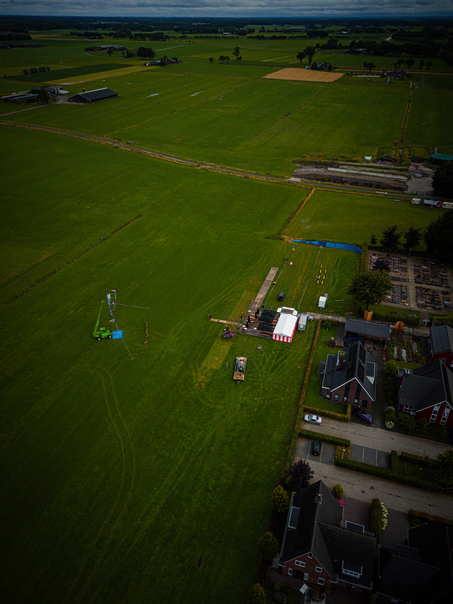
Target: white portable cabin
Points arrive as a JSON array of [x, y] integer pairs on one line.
[[286, 325], [416, 201], [302, 325], [322, 302]]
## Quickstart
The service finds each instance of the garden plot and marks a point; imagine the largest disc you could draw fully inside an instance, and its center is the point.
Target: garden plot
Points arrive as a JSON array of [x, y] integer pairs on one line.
[[304, 75]]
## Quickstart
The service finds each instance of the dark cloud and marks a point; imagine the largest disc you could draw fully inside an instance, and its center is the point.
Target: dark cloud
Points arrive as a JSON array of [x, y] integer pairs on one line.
[[229, 8]]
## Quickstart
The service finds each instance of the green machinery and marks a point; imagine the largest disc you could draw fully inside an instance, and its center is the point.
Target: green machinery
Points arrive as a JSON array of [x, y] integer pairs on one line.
[[103, 332]]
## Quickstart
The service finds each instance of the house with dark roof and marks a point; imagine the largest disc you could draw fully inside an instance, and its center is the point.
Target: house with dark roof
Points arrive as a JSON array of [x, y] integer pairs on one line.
[[93, 96], [366, 330], [349, 377], [418, 573], [427, 392], [319, 549], [441, 344]]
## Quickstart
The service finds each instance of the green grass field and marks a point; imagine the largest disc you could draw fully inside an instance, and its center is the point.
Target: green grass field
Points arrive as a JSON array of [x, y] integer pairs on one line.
[[133, 471]]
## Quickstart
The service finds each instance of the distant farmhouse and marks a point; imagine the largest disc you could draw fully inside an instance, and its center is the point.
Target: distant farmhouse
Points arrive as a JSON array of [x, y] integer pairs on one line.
[[106, 48], [93, 96], [31, 96], [163, 62]]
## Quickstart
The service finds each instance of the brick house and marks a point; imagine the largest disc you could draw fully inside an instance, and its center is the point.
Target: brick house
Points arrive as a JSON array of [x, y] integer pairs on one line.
[[419, 572], [349, 377], [441, 344], [319, 550], [427, 392]]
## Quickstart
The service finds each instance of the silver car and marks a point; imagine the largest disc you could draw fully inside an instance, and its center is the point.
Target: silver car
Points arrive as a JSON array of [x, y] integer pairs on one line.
[[313, 419]]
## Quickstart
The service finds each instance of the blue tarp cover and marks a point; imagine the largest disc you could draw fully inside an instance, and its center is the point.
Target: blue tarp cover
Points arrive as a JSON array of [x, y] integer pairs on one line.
[[338, 246], [117, 335]]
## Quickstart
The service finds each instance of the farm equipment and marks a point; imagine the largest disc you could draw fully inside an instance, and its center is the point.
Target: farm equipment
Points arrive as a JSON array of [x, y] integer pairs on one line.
[[239, 369], [102, 333]]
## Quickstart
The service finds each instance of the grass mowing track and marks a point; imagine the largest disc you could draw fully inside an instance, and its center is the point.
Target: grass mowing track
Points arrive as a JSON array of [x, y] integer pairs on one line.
[[137, 471]]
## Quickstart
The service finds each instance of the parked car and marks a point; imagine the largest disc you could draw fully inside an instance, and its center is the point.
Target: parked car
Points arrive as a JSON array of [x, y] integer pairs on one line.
[[313, 419], [367, 418], [281, 296], [316, 447]]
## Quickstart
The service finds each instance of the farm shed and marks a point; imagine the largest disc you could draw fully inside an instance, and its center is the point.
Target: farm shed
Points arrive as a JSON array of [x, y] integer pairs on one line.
[[93, 96], [286, 325], [355, 328]]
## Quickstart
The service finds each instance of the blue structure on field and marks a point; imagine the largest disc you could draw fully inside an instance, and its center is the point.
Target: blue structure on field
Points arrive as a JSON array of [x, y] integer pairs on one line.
[[338, 246], [117, 335]]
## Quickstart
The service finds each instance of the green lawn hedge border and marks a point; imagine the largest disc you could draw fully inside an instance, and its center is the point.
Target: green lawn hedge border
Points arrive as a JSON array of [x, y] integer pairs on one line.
[[427, 462], [343, 417], [423, 517], [388, 474], [327, 438], [300, 411]]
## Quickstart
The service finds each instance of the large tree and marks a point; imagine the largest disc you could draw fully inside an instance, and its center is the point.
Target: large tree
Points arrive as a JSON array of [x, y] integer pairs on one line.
[[301, 56], [370, 288], [145, 53], [310, 52], [443, 180], [412, 238], [390, 239], [438, 236], [300, 475], [237, 52]]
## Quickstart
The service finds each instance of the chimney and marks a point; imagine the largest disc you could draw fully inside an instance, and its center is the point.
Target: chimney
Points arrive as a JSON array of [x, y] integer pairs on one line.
[[340, 359]]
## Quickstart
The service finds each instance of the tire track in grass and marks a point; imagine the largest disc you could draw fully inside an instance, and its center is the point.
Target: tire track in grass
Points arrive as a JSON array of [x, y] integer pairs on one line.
[[126, 444]]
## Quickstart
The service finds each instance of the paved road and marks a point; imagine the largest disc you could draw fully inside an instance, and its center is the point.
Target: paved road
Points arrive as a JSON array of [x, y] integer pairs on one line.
[[376, 438], [363, 487]]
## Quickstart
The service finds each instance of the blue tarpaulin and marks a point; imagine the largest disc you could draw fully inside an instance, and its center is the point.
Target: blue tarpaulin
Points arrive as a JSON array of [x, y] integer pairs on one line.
[[338, 246], [117, 335]]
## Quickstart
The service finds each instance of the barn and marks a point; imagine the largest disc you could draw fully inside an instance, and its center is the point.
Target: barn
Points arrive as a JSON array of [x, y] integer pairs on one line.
[[286, 325], [365, 330], [93, 96]]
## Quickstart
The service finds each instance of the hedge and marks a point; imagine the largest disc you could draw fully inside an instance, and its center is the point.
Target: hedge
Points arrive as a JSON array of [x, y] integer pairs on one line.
[[423, 461], [325, 413], [327, 438], [300, 411], [358, 466], [423, 516], [364, 259]]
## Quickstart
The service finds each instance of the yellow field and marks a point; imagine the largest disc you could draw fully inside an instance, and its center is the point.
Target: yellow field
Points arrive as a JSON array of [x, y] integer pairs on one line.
[[304, 75]]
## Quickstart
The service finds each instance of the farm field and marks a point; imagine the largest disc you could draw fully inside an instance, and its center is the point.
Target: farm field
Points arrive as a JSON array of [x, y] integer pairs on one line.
[[429, 120], [139, 472]]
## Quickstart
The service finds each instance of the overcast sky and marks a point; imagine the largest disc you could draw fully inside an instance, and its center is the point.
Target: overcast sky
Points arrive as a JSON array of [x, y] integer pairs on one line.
[[229, 8]]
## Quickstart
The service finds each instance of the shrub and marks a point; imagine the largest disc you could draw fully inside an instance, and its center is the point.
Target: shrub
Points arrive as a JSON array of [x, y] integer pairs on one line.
[[375, 518], [268, 546], [391, 368], [280, 499], [257, 595], [301, 474], [338, 491]]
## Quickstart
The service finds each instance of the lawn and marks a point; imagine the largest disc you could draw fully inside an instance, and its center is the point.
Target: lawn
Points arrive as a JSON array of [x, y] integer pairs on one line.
[[119, 456], [133, 471], [355, 217], [429, 120]]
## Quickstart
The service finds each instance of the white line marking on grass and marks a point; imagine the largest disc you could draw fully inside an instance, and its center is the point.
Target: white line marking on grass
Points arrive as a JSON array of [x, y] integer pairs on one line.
[[170, 47], [195, 93], [155, 94], [274, 59]]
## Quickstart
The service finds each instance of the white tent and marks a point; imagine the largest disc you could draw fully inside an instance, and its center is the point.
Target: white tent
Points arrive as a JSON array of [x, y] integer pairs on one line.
[[286, 325], [322, 302]]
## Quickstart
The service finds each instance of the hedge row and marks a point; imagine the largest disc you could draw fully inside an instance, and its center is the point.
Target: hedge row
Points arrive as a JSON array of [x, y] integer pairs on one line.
[[358, 466], [427, 461], [68, 262], [342, 452], [415, 515], [300, 410], [325, 413], [327, 438]]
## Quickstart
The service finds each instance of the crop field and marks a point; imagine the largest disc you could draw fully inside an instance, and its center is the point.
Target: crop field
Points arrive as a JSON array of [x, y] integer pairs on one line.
[[136, 470], [429, 120]]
